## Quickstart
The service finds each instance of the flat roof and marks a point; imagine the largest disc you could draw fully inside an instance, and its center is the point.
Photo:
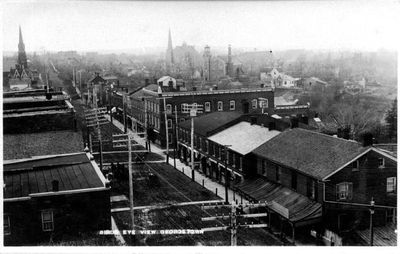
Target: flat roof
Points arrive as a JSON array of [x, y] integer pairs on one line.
[[20, 146], [244, 137]]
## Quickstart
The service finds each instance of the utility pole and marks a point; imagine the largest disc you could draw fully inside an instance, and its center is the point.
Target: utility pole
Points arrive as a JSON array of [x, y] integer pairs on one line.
[[166, 127], [124, 112], [232, 217], [194, 109], [371, 222], [226, 173], [176, 134], [127, 142], [95, 118]]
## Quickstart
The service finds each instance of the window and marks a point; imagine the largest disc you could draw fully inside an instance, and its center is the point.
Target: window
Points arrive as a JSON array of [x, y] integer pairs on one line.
[[294, 180], [391, 185], [232, 105], [169, 109], [169, 123], [185, 108], [264, 167], [207, 106], [47, 220], [220, 106], [278, 171], [254, 103], [311, 188], [381, 162], [206, 148], [355, 165], [227, 157], [6, 224], [264, 103], [240, 163], [233, 159], [344, 191]]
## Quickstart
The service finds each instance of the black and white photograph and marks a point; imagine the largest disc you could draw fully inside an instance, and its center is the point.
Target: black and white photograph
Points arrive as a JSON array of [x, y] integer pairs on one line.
[[137, 124]]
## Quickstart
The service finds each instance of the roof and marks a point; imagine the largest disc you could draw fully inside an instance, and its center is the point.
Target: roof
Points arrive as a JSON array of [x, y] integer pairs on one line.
[[34, 176], [282, 101], [163, 78], [312, 153], [43, 143], [280, 198], [204, 125], [247, 137]]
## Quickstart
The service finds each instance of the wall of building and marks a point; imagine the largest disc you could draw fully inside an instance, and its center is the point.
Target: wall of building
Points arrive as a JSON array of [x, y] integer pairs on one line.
[[73, 213], [39, 123], [368, 182]]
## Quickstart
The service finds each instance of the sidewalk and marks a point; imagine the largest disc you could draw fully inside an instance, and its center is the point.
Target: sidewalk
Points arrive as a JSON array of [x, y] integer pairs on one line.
[[199, 178]]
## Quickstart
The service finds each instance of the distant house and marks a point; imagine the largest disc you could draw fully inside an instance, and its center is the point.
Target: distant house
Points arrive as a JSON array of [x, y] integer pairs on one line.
[[302, 171], [48, 197], [313, 82], [276, 78]]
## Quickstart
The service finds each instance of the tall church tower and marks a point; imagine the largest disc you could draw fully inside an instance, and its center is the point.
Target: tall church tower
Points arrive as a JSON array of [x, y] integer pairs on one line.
[[22, 61], [169, 58]]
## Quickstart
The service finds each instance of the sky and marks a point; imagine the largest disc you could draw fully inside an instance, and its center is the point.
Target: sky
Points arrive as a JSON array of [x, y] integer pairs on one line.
[[278, 25]]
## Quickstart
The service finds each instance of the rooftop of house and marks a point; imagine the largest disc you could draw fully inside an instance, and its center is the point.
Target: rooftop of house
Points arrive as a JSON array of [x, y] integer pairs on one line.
[[206, 124], [43, 143], [312, 153], [30, 177], [247, 137]]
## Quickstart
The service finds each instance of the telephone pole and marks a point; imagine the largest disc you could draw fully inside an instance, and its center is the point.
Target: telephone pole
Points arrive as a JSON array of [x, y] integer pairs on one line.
[[95, 118], [233, 216], [126, 141]]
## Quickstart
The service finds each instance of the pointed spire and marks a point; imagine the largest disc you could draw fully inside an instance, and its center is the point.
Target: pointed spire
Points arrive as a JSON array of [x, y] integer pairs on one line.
[[22, 61]]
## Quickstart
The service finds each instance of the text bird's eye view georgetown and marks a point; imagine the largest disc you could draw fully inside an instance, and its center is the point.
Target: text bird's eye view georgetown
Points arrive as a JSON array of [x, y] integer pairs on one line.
[[141, 123]]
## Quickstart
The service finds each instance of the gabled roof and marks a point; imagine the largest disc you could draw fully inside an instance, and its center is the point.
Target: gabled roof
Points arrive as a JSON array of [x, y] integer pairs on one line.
[[204, 125], [35, 176], [246, 137], [312, 153]]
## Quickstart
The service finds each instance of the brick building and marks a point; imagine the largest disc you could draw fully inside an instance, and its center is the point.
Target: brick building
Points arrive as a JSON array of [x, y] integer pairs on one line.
[[325, 182], [49, 197], [37, 111]]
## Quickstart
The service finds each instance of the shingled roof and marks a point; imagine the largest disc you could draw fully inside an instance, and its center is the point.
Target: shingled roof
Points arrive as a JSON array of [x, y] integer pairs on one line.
[[205, 125], [312, 153]]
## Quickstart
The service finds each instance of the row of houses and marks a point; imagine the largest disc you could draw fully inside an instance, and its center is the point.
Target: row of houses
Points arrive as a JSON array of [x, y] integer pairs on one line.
[[312, 181]]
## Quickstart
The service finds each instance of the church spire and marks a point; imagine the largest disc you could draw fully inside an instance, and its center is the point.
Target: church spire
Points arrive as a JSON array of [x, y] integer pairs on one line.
[[22, 61]]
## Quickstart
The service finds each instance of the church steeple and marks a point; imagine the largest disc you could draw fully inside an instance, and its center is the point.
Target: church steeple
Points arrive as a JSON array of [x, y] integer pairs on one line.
[[22, 61]]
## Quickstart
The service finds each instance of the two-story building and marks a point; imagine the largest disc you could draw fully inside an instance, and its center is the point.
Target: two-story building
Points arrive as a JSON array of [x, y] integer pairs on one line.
[[323, 182], [49, 197]]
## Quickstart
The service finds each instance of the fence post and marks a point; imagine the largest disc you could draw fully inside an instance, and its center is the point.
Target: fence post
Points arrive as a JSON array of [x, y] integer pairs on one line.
[[203, 182]]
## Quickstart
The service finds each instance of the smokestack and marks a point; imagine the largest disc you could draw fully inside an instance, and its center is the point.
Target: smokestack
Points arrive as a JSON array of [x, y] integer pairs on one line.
[[54, 184]]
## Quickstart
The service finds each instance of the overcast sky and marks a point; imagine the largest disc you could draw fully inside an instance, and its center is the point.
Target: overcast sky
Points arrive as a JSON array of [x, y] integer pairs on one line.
[[111, 25]]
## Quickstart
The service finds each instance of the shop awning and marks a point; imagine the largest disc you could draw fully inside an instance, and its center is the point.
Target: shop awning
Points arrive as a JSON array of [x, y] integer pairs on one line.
[[291, 205]]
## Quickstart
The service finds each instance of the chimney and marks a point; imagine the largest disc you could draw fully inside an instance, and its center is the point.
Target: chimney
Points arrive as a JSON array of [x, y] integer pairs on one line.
[[346, 132], [262, 85], [54, 184], [367, 139], [194, 88]]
